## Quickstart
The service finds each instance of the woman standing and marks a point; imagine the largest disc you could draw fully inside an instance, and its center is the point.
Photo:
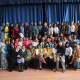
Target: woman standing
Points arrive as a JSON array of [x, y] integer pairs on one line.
[[16, 31], [21, 58], [4, 64], [6, 35]]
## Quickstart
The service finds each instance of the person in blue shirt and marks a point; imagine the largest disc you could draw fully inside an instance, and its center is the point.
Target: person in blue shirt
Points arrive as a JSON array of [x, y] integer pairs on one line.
[[21, 31], [67, 29], [2, 31], [52, 43]]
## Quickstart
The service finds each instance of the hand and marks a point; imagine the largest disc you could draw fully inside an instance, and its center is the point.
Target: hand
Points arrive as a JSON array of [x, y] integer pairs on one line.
[[18, 55], [56, 53], [44, 32], [69, 57], [6, 52], [20, 60], [59, 53]]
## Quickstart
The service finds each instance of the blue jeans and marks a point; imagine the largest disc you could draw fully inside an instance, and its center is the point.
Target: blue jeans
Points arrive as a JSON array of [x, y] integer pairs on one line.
[[22, 61]]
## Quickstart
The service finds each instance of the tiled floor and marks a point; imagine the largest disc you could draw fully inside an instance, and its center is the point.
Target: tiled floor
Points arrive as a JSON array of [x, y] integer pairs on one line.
[[44, 74]]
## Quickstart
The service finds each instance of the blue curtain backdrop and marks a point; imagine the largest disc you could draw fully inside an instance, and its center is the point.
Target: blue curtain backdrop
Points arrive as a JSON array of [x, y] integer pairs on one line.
[[62, 12], [21, 13], [51, 13]]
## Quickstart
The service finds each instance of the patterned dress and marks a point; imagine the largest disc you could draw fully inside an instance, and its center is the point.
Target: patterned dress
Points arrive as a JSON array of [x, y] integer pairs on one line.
[[4, 64]]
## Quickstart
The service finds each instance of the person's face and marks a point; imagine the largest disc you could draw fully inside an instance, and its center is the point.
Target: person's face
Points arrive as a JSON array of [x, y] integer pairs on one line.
[[16, 25], [36, 39], [26, 39], [44, 24], [52, 40], [74, 44], [18, 48], [74, 24], [57, 22], [26, 24], [3, 24], [31, 23], [23, 47], [16, 40], [71, 23], [78, 22], [74, 37], [39, 36], [55, 46], [8, 25], [12, 41], [55, 25], [39, 47], [35, 24], [21, 24], [30, 46], [47, 39], [50, 36], [7, 42], [62, 23], [20, 39], [3, 40], [67, 44], [49, 25], [64, 38], [11, 25], [39, 22], [60, 43], [30, 38], [43, 39]]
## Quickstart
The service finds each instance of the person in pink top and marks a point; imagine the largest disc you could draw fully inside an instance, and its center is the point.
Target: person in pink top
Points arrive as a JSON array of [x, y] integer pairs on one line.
[[15, 31], [26, 42], [30, 40]]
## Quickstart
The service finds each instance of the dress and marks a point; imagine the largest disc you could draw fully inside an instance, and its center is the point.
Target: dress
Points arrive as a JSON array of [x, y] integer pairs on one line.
[[4, 64]]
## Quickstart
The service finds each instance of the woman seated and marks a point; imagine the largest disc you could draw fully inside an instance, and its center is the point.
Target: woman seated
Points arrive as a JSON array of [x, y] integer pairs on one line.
[[40, 56], [47, 52], [21, 58]]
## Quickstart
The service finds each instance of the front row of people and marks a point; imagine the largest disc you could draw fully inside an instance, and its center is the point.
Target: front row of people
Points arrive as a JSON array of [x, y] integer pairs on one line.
[[49, 56]]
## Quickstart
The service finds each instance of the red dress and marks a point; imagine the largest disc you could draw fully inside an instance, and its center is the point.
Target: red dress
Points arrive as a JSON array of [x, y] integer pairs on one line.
[[15, 32]]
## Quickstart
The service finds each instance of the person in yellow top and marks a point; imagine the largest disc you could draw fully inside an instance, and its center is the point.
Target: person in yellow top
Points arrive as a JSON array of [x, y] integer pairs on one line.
[[48, 56], [6, 30]]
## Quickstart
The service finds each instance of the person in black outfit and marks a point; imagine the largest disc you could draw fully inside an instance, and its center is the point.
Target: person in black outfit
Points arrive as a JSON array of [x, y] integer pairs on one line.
[[26, 30], [10, 58], [10, 30], [21, 58]]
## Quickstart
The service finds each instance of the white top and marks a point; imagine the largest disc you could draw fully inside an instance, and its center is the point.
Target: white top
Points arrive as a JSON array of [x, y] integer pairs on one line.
[[20, 44], [68, 51], [73, 28], [56, 30], [54, 55], [42, 44], [35, 43], [51, 31]]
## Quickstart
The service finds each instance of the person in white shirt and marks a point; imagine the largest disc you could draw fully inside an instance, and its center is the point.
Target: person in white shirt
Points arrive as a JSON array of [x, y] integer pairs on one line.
[[20, 43], [42, 44], [73, 29], [55, 30], [68, 54], [35, 43], [54, 51], [50, 29]]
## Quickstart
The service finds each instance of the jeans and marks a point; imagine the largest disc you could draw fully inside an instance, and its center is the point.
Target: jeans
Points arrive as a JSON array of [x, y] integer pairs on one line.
[[62, 62], [22, 61]]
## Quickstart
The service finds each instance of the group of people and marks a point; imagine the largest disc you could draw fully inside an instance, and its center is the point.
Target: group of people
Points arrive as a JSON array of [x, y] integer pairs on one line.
[[26, 46]]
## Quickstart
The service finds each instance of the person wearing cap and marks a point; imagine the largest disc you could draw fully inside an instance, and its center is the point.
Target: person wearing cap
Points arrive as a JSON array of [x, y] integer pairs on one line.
[[60, 55], [68, 54], [6, 30]]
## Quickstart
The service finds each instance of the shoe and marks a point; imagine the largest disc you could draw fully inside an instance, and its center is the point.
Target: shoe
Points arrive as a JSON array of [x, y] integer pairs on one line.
[[40, 68], [19, 70], [63, 71], [56, 70]]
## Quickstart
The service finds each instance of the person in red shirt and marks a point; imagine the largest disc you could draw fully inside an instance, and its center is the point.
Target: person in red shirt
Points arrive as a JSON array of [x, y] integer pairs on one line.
[[16, 43]]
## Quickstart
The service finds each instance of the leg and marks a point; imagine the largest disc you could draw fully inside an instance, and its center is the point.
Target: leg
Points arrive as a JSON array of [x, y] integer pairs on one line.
[[57, 62], [63, 62]]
